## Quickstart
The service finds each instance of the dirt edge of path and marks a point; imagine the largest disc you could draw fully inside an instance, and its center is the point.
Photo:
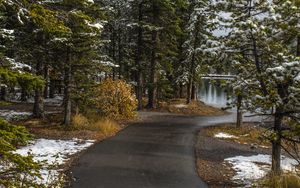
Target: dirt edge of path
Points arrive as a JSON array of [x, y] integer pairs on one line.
[[210, 154]]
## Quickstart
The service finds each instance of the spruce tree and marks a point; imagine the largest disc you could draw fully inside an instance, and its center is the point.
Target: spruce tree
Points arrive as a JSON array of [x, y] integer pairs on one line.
[[265, 60]]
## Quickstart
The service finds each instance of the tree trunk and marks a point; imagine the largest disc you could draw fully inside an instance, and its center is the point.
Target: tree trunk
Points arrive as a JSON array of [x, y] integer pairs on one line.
[[189, 91], [67, 91], [239, 118], [46, 77], [120, 54], [52, 89], [192, 64], [298, 46], [193, 94], [23, 95], [61, 87], [38, 107], [180, 90], [276, 143], [153, 77], [152, 93], [113, 50], [258, 65], [3, 93], [138, 59]]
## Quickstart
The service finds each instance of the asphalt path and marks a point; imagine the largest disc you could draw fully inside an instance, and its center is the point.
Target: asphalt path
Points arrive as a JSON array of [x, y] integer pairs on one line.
[[155, 153]]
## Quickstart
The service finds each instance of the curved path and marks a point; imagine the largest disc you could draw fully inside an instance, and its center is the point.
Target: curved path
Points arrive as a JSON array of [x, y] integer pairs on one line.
[[155, 153]]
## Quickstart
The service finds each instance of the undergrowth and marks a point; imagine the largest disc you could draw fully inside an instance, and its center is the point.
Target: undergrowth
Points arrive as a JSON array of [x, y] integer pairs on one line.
[[283, 181], [247, 134], [106, 126]]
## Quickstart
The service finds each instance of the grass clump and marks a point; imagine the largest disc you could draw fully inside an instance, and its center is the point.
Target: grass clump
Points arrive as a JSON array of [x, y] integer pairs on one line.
[[80, 122], [283, 181], [5, 103], [107, 127]]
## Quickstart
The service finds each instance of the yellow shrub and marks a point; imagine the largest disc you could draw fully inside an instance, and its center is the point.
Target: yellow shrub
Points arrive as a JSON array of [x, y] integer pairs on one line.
[[115, 99]]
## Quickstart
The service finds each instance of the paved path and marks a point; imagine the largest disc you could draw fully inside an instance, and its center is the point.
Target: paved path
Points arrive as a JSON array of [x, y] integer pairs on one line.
[[156, 153]]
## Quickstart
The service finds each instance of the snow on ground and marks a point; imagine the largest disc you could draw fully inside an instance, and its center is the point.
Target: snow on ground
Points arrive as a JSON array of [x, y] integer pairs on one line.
[[11, 115], [224, 135], [251, 168], [181, 106], [53, 153], [56, 101]]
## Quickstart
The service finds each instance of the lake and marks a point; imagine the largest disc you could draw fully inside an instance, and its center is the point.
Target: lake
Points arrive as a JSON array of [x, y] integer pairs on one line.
[[213, 94]]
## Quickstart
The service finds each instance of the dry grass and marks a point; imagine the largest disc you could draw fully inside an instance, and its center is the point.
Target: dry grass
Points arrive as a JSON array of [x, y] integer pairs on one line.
[[82, 127], [247, 134], [179, 106], [60, 133], [104, 126], [283, 181], [5, 103], [80, 122]]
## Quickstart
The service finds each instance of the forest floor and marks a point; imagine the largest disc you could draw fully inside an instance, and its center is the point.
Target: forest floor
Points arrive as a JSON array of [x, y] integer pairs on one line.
[[50, 127], [55, 145], [51, 136], [231, 157], [225, 156]]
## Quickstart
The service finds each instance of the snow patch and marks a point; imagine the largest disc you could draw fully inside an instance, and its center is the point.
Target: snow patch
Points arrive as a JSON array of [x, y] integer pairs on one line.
[[224, 135], [10, 115], [181, 106], [56, 101], [251, 168], [53, 153]]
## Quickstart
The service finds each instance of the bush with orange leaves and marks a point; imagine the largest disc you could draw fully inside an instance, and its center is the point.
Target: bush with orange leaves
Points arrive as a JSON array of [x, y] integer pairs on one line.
[[115, 99]]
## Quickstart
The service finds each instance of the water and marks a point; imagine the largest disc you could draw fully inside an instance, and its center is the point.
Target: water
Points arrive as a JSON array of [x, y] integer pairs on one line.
[[213, 94]]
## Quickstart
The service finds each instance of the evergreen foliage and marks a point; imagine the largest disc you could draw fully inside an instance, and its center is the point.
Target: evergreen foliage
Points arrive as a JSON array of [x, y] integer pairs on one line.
[[16, 170], [78, 48], [265, 60]]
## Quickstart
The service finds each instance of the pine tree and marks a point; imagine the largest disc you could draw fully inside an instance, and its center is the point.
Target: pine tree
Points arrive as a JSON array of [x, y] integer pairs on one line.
[[82, 61], [14, 72], [265, 61], [164, 29], [200, 45]]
